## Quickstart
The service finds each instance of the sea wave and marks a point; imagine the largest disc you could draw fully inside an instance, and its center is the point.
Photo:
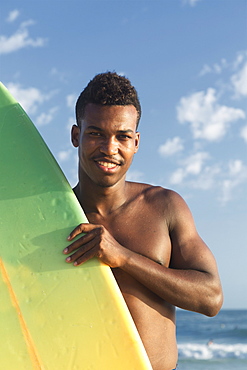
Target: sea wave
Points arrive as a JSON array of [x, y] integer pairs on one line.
[[212, 351]]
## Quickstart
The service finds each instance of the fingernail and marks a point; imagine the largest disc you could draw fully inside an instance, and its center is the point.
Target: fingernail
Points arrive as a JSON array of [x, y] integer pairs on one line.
[[65, 250], [68, 259], [75, 263], [69, 237]]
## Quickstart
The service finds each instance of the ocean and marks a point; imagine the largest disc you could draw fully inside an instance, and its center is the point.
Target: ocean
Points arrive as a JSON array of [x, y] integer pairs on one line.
[[212, 343]]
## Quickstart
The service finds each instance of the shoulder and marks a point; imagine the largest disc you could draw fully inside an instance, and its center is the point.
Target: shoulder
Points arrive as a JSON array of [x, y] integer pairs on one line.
[[166, 199], [165, 204], [153, 190]]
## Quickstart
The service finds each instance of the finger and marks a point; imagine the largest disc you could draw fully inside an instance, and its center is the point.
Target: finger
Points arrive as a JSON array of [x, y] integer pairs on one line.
[[85, 257], [91, 232], [80, 229], [80, 252], [86, 238]]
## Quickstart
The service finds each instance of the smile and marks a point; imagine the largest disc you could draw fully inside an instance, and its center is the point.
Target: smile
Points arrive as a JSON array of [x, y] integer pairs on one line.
[[107, 164]]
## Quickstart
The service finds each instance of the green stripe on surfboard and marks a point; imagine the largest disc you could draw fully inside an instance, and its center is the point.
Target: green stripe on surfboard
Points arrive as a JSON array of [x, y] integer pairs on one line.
[[55, 316]]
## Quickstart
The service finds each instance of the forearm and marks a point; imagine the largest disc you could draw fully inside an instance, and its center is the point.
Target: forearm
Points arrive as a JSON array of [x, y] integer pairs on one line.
[[188, 289], [195, 288]]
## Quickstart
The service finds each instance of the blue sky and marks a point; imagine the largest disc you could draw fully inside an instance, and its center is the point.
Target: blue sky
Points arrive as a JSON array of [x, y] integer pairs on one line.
[[188, 61]]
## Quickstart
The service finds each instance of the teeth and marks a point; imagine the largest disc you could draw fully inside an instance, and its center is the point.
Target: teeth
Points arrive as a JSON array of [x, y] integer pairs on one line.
[[107, 164]]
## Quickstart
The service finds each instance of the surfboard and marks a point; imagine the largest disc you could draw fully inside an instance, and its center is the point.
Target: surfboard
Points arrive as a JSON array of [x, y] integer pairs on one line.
[[53, 316]]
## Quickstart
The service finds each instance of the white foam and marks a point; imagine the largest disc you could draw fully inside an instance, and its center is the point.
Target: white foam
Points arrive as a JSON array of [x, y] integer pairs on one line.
[[213, 350]]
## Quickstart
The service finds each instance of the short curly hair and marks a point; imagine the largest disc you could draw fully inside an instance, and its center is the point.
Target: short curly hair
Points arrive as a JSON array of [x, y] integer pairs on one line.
[[108, 88]]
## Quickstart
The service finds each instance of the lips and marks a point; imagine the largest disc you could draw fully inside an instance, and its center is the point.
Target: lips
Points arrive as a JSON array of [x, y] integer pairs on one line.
[[107, 164]]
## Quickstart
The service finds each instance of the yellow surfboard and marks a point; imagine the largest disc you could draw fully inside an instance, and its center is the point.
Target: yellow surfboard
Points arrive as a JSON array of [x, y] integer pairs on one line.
[[53, 316]]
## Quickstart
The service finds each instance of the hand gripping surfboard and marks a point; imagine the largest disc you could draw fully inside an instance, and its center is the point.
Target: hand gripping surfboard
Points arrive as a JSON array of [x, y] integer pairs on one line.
[[53, 316]]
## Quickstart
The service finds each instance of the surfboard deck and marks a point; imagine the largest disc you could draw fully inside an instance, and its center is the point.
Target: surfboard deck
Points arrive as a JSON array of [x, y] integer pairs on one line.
[[52, 315]]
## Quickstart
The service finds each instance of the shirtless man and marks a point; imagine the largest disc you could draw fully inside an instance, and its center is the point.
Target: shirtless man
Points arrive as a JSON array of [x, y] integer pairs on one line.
[[145, 233]]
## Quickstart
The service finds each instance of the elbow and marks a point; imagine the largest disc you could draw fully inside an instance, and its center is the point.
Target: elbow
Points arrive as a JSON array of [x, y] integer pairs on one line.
[[213, 309], [213, 303]]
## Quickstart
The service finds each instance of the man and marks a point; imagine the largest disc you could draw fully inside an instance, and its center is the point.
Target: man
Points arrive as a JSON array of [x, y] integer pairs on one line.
[[145, 233]]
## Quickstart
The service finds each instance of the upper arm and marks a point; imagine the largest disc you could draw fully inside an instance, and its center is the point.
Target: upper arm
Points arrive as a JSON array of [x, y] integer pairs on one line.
[[188, 249]]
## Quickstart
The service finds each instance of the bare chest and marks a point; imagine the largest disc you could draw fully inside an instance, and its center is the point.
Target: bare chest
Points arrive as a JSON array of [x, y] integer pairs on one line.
[[143, 231]]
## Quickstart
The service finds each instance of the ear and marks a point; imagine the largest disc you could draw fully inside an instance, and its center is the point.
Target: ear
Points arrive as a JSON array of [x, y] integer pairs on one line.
[[137, 141], [75, 136]]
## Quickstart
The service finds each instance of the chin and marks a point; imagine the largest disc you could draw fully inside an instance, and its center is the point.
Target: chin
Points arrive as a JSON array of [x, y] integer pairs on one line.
[[108, 182], [104, 184]]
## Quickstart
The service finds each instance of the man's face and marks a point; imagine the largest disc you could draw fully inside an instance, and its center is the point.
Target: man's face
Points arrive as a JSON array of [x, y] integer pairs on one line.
[[107, 142]]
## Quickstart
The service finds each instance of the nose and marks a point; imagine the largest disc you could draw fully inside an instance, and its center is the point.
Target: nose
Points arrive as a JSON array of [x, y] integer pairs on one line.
[[109, 146]]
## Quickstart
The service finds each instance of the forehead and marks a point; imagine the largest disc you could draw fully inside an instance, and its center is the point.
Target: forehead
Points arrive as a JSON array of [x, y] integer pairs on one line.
[[105, 116]]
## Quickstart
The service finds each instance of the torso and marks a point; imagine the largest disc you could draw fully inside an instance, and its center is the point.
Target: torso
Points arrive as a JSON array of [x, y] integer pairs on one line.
[[141, 225]]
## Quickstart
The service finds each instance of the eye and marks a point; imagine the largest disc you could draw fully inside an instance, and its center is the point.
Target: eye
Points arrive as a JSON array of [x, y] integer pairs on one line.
[[124, 137], [93, 133]]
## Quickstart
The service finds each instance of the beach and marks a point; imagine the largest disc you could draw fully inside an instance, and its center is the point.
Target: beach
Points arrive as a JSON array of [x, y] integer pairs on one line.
[[212, 343]]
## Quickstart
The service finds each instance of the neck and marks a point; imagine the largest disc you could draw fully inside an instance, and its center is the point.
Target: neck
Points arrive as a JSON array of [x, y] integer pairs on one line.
[[99, 199]]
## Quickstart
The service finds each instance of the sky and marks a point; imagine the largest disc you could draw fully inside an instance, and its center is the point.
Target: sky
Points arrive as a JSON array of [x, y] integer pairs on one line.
[[188, 62]]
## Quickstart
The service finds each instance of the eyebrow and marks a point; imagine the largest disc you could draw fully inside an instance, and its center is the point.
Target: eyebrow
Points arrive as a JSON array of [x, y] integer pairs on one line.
[[119, 131]]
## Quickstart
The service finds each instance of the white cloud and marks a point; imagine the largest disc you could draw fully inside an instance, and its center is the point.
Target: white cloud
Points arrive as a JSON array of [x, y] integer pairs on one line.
[[177, 176], [240, 59], [204, 180], [64, 155], [60, 75], [30, 99], [243, 133], [191, 165], [195, 174], [235, 167], [216, 68], [237, 174], [45, 118], [239, 81], [208, 119], [191, 2], [205, 70], [171, 146], [20, 39], [13, 15], [207, 178], [71, 100], [195, 162], [134, 176]]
